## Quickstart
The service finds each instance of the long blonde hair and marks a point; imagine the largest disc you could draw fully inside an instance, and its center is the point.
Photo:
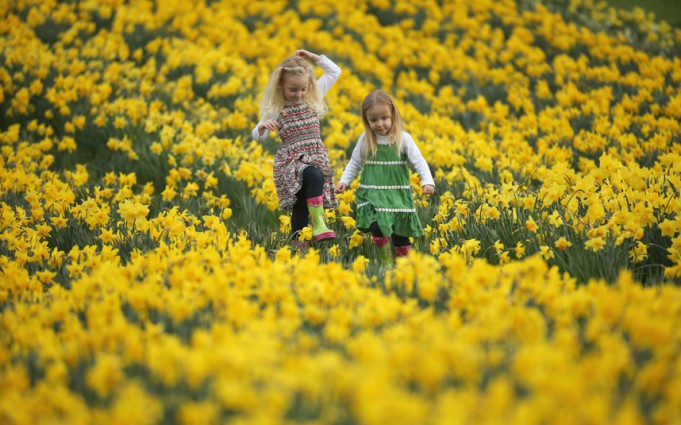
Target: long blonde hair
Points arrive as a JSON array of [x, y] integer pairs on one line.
[[379, 97], [273, 100]]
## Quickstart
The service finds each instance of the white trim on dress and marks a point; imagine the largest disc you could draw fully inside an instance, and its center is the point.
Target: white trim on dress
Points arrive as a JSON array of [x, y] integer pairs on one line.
[[386, 162], [396, 210], [381, 187]]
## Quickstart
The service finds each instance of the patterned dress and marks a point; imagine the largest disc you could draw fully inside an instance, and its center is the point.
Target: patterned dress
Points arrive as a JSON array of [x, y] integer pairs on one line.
[[384, 195], [301, 147]]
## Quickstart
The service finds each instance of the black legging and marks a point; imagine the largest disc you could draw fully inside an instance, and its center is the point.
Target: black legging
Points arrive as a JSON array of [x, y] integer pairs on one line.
[[313, 186], [397, 240]]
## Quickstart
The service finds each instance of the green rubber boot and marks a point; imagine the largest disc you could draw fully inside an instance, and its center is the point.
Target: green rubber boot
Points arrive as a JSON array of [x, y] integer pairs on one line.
[[319, 230], [385, 256]]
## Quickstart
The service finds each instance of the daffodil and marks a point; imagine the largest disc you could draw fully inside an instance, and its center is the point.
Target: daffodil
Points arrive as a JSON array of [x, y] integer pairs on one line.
[[595, 244], [356, 239], [562, 243]]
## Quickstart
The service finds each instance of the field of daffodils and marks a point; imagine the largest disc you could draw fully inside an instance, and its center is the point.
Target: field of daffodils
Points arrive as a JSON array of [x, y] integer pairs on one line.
[[147, 275]]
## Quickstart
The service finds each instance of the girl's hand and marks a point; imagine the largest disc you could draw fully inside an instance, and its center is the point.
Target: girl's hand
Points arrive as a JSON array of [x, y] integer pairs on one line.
[[269, 125], [340, 187], [307, 55], [428, 189]]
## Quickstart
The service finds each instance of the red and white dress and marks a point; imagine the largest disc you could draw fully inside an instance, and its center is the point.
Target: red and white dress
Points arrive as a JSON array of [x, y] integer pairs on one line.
[[302, 145]]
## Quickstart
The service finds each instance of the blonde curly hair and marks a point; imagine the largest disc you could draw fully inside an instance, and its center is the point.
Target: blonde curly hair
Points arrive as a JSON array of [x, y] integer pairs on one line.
[[273, 100]]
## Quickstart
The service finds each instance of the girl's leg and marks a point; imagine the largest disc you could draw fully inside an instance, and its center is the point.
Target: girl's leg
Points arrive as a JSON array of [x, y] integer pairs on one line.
[[313, 182], [313, 186], [383, 245], [375, 230], [312, 190], [299, 216], [299, 219], [397, 240], [402, 245]]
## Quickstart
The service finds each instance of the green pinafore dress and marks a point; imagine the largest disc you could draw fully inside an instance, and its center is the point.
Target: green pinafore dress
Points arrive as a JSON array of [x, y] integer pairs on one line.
[[384, 195]]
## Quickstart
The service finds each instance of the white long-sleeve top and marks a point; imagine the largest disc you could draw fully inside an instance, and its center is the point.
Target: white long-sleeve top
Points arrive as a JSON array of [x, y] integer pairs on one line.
[[414, 157], [331, 74]]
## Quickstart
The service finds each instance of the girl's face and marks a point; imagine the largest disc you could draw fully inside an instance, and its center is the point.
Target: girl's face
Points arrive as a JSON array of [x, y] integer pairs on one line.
[[295, 88], [380, 119]]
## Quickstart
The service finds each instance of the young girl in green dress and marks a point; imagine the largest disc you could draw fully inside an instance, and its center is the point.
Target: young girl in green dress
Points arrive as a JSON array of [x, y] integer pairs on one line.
[[385, 205]]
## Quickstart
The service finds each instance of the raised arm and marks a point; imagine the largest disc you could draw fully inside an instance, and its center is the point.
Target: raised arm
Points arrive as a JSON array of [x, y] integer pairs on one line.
[[331, 71]]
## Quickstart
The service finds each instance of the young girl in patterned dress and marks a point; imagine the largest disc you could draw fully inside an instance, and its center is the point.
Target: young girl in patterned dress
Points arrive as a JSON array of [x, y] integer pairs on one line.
[[292, 104], [385, 205]]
